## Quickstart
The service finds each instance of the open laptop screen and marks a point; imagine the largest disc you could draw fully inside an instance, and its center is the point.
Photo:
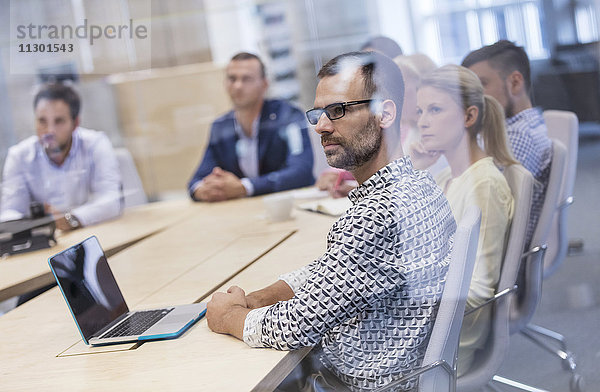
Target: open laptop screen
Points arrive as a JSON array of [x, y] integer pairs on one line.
[[89, 286]]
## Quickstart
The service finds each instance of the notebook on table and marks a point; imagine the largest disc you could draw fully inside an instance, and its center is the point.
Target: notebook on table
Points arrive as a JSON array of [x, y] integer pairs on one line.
[[97, 304], [328, 206]]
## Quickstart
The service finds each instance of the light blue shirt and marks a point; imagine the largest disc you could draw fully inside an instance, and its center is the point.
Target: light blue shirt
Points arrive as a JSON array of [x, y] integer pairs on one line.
[[87, 184], [246, 150]]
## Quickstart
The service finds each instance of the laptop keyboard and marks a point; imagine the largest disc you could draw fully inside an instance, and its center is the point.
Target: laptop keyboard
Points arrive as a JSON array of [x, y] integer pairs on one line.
[[137, 323]]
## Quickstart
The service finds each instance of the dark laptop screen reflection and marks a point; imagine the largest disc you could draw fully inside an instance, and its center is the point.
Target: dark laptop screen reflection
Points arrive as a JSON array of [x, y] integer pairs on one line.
[[89, 286]]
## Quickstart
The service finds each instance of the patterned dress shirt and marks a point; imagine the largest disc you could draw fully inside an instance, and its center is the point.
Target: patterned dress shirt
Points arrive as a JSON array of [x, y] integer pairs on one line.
[[531, 146], [372, 298]]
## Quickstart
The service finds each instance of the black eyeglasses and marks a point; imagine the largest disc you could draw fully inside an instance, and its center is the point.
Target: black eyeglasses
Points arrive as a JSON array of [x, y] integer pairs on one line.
[[333, 111]]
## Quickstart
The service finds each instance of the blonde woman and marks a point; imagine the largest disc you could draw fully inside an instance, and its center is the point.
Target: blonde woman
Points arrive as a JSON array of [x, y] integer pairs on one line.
[[413, 67], [453, 114]]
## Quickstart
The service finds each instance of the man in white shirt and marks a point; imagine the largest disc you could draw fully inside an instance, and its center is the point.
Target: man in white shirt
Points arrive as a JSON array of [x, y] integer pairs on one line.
[[72, 170]]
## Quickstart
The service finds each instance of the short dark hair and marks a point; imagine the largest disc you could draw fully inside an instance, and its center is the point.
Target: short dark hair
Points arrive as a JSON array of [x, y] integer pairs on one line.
[[249, 56], [62, 92], [504, 56], [384, 45], [381, 76]]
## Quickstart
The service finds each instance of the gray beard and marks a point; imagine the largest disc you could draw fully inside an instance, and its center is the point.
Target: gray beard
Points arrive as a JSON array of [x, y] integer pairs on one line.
[[365, 145]]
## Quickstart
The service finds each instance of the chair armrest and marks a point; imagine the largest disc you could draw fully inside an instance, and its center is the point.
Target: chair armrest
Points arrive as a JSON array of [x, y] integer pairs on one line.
[[534, 250], [565, 203], [417, 372], [496, 297]]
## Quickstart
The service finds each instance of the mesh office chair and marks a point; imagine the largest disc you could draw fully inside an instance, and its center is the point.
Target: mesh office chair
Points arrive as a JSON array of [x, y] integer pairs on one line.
[[132, 189], [438, 372], [530, 289], [488, 360]]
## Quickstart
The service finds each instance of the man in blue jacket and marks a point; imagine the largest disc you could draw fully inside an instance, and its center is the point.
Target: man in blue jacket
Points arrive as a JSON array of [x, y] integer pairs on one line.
[[259, 147]]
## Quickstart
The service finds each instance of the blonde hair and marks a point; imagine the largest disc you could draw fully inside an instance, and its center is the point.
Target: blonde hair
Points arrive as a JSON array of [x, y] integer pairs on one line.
[[466, 90]]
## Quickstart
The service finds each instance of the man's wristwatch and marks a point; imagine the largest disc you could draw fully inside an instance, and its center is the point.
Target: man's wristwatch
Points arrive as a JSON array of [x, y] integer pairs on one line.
[[71, 220]]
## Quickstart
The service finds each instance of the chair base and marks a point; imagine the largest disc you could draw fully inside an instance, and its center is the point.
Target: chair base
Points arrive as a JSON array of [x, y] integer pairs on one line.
[[514, 384], [576, 384], [535, 333]]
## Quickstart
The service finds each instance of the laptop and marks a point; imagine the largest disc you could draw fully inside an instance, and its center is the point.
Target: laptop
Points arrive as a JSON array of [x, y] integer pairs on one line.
[[97, 304]]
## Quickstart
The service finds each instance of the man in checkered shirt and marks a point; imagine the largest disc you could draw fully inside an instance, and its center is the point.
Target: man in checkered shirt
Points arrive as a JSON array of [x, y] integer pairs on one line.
[[504, 71], [369, 302]]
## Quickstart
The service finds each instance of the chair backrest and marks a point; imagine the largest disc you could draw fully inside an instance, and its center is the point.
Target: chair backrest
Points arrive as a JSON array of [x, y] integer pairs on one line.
[[488, 361], [132, 189], [443, 343], [532, 273], [564, 127]]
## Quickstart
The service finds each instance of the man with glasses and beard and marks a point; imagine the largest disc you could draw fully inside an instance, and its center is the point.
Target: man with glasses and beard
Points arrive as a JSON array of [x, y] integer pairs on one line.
[[504, 71], [366, 305]]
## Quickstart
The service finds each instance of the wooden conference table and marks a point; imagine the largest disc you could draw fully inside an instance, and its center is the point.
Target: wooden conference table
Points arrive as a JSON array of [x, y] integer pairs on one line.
[[214, 247], [20, 274]]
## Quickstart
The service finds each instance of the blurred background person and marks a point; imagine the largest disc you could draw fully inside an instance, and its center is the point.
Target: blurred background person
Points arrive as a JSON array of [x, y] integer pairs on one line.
[[72, 170], [383, 45], [505, 74], [261, 146]]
